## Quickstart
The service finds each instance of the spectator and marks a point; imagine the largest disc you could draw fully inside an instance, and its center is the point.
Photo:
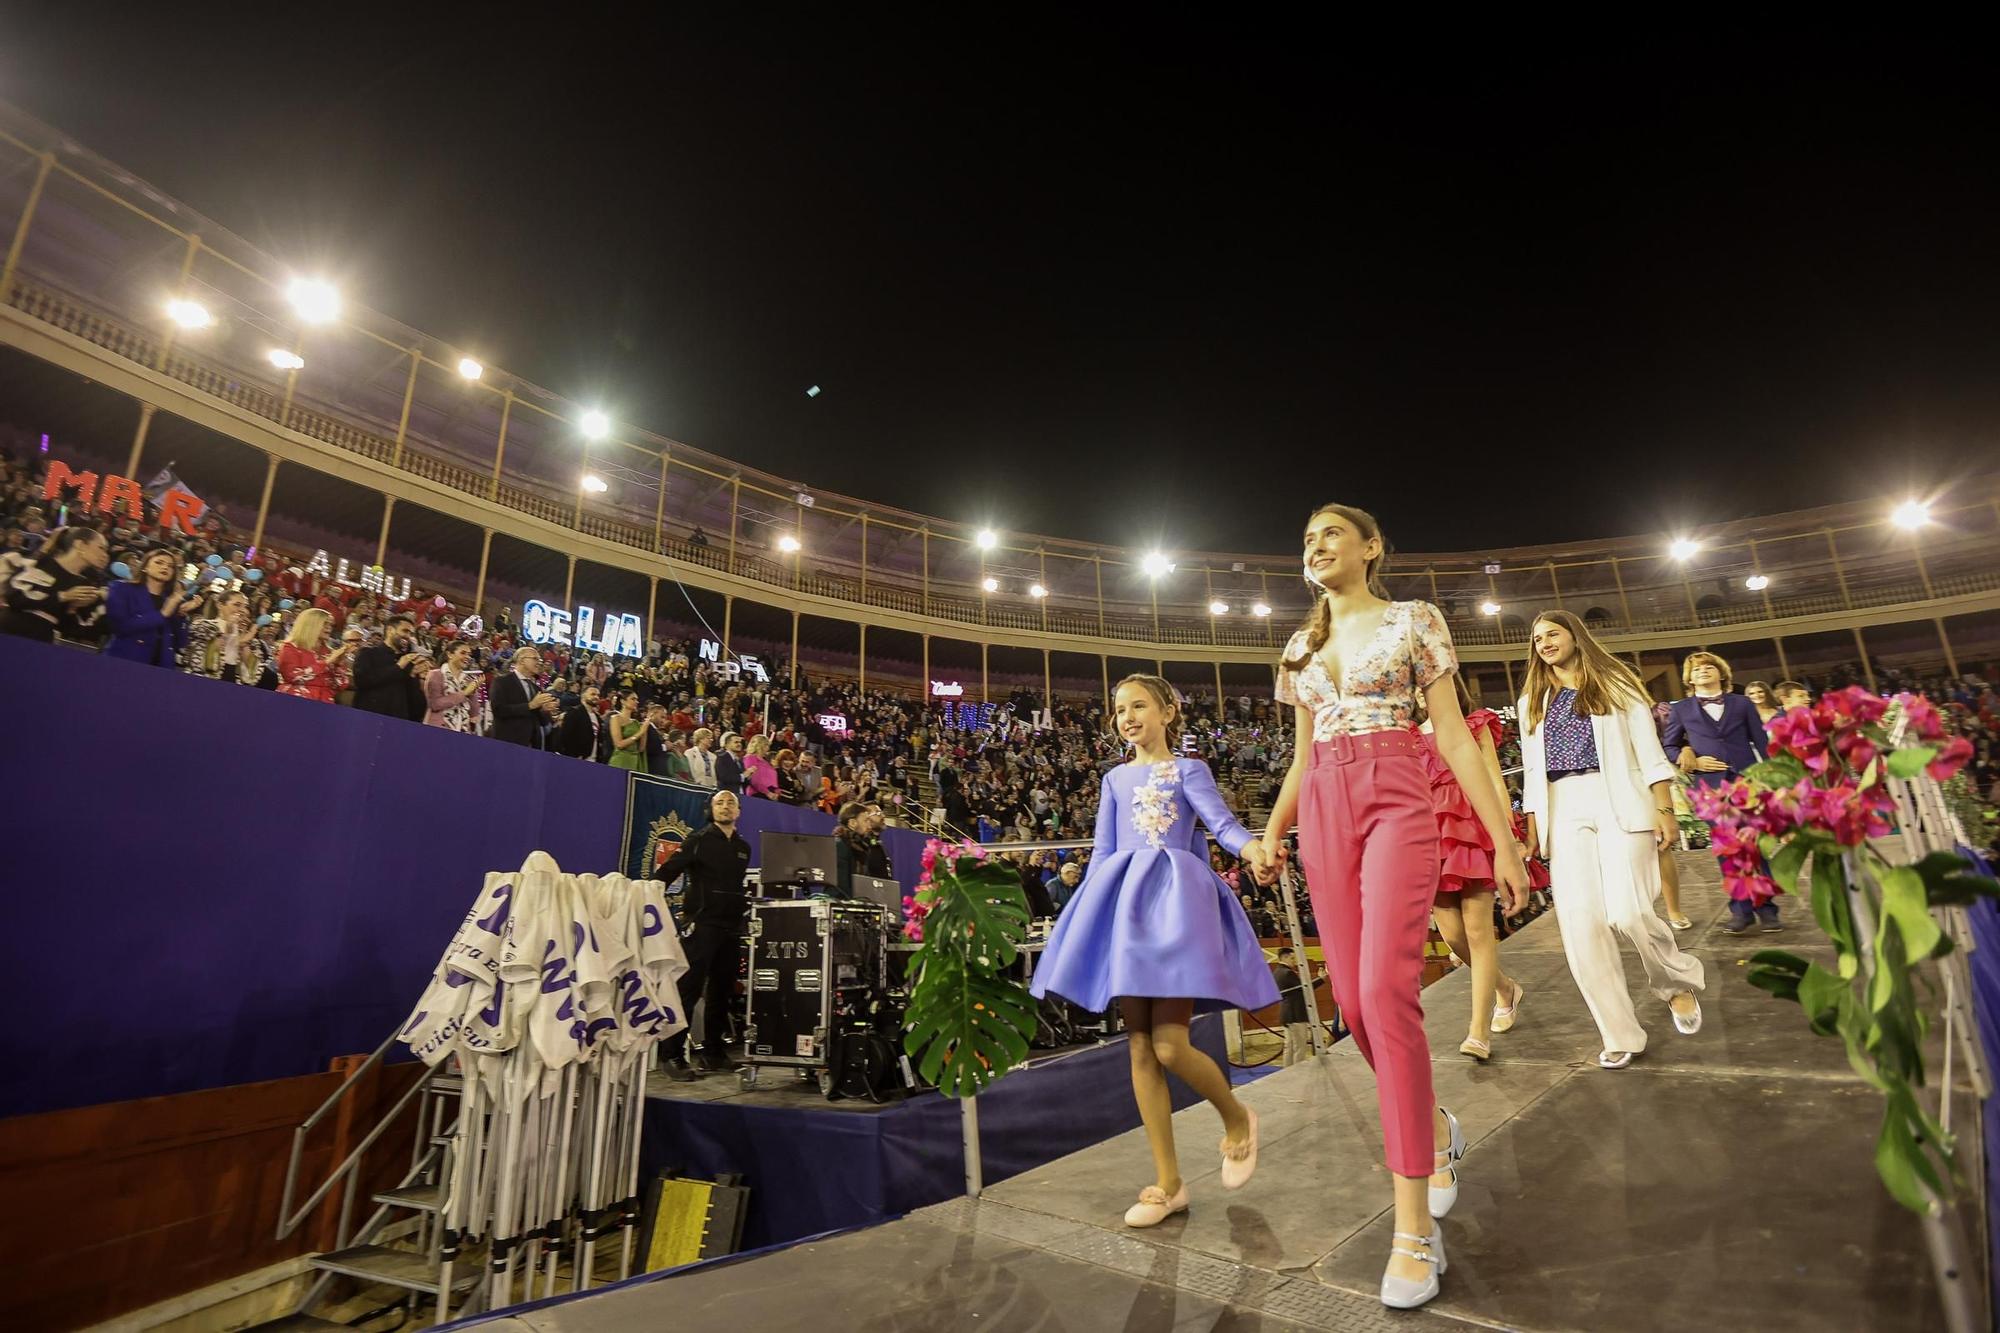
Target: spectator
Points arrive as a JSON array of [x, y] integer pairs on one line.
[[759, 777], [660, 755], [581, 733], [1064, 887], [1766, 700], [451, 691], [1792, 695], [303, 671], [381, 672], [810, 780], [520, 707], [144, 613], [704, 766], [728, 764], [222, 645], [60, 595], [1041, 906], [627, 731], [786, 765]]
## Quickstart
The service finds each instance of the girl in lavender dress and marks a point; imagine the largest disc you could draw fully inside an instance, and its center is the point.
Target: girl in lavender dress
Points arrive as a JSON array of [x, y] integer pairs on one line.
[[1153, 926]]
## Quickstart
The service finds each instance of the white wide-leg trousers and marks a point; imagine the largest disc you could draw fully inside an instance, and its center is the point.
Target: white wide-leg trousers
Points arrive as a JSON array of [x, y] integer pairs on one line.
[[1605, 880]]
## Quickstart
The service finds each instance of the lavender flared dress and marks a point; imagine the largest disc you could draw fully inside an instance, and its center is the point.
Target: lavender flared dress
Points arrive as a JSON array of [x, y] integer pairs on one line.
[[1152, 918]]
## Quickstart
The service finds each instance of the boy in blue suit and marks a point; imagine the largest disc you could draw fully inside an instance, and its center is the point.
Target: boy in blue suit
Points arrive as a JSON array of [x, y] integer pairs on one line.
[[1714, 735]]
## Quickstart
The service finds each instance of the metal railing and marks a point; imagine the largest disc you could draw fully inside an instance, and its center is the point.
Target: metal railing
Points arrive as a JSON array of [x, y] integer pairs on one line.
[[289, 1220]]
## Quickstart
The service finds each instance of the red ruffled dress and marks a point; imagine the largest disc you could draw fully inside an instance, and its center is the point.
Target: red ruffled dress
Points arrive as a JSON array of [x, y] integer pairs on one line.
[[1465, 852]]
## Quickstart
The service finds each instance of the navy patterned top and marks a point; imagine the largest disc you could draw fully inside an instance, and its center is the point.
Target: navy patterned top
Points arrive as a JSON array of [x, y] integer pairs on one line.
[[1567, 740]]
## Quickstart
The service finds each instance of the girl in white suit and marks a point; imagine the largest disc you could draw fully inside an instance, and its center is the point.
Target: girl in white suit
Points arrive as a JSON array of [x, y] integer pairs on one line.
[[1597, 793]]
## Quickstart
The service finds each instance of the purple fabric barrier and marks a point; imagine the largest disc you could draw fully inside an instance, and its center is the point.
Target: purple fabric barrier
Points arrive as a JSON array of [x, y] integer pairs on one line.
[[821, 1168], [1983, 963], [207, 884]]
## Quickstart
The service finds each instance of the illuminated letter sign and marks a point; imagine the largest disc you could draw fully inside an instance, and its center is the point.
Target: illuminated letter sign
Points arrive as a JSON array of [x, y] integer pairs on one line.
[[833, 724], [542, 623], [941, 690], [114, 493], [711, 651]]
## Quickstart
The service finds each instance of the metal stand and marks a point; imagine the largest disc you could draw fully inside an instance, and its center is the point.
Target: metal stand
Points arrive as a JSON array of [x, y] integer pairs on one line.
[[1318, 1029]]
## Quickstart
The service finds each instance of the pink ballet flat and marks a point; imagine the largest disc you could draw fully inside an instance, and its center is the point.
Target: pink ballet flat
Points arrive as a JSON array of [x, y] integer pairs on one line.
[[1240, 1161], [1154, 1207]]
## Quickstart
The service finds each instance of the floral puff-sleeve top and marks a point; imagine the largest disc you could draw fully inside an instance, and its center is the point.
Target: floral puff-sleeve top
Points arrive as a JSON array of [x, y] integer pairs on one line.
[[1378, 686]]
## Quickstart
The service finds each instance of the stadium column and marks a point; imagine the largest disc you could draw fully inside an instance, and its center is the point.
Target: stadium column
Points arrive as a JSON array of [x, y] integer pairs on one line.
[[409, 397], [652, 603], [291, 382], [485, 553], [1155, 590], [1694, 615], [1043, 551], [728, 615], [1048, 684], [735, 503], [1218, 691], [1264, 581], [1208, 585], [924, 685], [1867, 667], [1624, 603], [167, 342], [1104, 661], [569, 584], [927, 571], [146, 411], [795, 648], [862, 683], [1508, 667], [660, 516], [1950, 658], [864, 560], [985, 695], [48, 160], [1555, 587], [382, 542], [264, 502], [1100, 599], [500, 447], [1840, 573], [577, 521]]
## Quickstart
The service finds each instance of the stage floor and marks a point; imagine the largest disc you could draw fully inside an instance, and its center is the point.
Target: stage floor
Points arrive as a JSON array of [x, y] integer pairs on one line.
[[1724, 1179]]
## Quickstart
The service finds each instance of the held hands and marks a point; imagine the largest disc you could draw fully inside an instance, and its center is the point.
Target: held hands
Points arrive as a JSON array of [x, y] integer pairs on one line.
[[1708, 763], [1688, 759], [1258, 857]]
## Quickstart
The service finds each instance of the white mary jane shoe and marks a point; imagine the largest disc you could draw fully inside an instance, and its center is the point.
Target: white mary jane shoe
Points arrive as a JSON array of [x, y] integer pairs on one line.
[[1441, 1200], [1400, 1293], [1689, 1025], [1154, 1207]]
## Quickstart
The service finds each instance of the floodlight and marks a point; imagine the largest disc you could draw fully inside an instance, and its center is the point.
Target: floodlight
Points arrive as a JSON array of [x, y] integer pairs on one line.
[[1037, 591], [1259, 609], [1218, 607], [594, 424], [313, 299], [469, 368], [1489, 608], [284, 360], [189, 314], [1757, 582], [987, 539], [1683, 548], [991, 584], [1156, 565], [788, 543], [595, 484], [1911, 515]]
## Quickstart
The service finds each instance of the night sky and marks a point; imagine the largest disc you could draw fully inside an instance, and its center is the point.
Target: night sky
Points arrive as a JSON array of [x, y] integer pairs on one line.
[[1135, 278]]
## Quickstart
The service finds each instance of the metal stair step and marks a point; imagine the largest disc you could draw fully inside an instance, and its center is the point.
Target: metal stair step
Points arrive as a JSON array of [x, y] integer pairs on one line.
[[447, 1083], [297, 1323], [397, 1268], [424, 1198]]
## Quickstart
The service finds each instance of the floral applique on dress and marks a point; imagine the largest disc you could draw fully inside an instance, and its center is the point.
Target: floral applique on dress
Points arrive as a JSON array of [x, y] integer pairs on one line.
[[1154, 808]]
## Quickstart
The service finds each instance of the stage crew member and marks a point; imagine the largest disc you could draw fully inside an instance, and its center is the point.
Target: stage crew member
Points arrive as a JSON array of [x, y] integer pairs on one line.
[[711, 919]]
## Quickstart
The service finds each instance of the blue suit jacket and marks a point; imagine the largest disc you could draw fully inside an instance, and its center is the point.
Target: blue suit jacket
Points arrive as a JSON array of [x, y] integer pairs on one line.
[[1738, 739], [139, 633]]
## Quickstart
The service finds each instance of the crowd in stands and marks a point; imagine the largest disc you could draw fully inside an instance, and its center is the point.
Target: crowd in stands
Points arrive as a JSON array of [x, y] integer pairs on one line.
[[208, 606]]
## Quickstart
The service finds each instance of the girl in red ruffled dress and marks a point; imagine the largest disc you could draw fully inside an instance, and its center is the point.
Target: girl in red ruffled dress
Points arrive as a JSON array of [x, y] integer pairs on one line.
[[1464, 906]]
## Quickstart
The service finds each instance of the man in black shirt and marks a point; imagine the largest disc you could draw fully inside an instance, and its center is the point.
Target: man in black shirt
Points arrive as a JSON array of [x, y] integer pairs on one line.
[[381, 672], [715, 861]]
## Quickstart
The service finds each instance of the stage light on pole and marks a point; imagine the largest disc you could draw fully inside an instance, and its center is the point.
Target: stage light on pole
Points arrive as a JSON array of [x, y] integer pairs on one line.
[[595, 484], [987, 539], [594, 424], [469, 368], [313, 299], [1684, 548], [788, 544], [1757, 582], [1911, 515], [189, 314], [1037, 591], [1218, 607], [1489, 608], [990, 583], [284, 360], [1260, 609], [1156, 565]]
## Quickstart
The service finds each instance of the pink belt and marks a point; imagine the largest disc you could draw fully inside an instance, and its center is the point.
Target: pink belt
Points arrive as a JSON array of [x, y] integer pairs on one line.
[[1368, 745]]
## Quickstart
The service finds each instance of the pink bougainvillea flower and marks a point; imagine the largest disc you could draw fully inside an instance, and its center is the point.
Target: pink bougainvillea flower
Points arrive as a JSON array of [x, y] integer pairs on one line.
[[1756, 889], [1851, 815], [1856, 749], [1950, 759], [1799, 734], [1922, 716], [930, 855]]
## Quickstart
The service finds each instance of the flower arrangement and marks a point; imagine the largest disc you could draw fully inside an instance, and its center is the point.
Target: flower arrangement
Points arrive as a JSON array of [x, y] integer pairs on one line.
[[968, 1021], [1823, 793]]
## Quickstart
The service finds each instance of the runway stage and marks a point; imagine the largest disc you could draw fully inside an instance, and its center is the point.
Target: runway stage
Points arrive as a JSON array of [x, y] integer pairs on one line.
[[1725, 1179]]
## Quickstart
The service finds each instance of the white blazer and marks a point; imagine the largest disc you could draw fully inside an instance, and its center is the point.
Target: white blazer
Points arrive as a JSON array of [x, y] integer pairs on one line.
[[1628, 753]]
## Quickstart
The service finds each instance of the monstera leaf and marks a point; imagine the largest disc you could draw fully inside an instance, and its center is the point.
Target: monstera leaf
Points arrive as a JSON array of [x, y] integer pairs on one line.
[[966, 1029], [968, 1021]]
